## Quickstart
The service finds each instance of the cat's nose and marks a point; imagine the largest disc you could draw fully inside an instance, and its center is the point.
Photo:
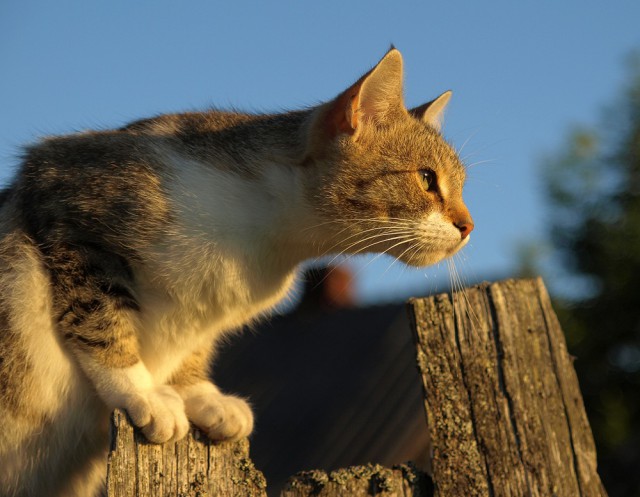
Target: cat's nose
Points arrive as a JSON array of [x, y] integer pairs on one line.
[[465, 226], [459, 215]]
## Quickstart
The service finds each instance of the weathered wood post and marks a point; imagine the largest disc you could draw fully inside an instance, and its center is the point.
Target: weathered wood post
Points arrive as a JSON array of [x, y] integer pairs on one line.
[[504, 410], [360, 481], [195, 467], [192, 467], [503, 404]]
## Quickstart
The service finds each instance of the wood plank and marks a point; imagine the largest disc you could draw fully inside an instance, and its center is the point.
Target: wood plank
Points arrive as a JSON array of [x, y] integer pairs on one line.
[[193, 466], [360, 481], [502, 399]]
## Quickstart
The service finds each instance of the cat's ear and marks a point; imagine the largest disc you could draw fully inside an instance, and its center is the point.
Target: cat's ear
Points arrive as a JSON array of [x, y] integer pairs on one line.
[[376, 97], [432, 112]]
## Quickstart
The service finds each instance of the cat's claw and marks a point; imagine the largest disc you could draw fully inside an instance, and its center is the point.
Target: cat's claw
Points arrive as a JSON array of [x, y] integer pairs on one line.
[[222, 417], [159, 413]]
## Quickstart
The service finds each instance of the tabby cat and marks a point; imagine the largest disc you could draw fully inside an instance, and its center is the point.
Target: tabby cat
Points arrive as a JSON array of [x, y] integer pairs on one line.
[[125, 255]]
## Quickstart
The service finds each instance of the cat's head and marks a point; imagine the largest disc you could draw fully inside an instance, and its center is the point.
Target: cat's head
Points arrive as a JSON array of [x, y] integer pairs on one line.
[[384, 178]]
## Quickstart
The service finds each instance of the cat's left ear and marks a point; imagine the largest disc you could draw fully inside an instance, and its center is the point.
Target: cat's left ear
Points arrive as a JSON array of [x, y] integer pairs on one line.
[[433, 112], [375, 98]]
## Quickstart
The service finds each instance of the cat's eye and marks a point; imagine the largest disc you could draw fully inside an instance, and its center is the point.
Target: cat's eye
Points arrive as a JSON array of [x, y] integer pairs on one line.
[[428, 179]]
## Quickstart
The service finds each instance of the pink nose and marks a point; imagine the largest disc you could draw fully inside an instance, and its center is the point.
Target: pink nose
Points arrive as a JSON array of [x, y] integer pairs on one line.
[[465, 227]]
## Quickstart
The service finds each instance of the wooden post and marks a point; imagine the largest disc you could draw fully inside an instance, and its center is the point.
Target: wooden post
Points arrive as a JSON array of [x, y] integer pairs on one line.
[[360, 481], [195, 467], [192, 467], [504, 408]]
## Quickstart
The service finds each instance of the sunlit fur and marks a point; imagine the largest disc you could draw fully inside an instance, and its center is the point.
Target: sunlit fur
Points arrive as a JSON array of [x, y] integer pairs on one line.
[[125, 255], [375, 199]]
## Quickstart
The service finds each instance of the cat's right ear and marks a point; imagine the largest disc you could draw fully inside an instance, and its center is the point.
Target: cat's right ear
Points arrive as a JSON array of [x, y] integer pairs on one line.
[[432, 112], [375, 98]]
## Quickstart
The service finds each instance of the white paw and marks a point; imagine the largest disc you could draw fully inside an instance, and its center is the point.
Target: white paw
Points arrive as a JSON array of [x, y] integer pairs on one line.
[[221, 417], [159, 413]]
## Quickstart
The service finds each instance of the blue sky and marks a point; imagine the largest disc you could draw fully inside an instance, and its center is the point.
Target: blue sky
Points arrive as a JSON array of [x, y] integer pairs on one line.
[[522, 74]]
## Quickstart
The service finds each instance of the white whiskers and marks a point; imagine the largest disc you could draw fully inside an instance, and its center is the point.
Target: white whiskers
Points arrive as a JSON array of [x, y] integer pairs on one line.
[[407, 240]]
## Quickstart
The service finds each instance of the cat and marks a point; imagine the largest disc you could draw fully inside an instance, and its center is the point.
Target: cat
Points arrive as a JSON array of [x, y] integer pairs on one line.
[[126, 254]]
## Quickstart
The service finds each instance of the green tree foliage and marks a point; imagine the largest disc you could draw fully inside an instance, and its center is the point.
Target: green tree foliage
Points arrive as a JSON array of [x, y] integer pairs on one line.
[[593, 189]]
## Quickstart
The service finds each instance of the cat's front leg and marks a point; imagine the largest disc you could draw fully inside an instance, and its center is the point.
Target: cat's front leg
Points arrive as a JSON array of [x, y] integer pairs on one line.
[[220, 416], [158, 410], [97, 315]]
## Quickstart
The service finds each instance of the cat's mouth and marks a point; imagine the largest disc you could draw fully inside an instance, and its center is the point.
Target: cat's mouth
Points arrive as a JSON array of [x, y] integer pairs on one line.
[[461, 244], [416, 243], [430, 255]]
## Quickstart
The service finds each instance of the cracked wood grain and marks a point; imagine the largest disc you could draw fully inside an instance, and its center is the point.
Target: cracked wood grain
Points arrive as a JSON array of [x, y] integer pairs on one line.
[[192, 467], [503, 403]]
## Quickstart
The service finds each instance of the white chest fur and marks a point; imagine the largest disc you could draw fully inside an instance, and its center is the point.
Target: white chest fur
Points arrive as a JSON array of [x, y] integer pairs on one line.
[[204, 296], [221, 265]]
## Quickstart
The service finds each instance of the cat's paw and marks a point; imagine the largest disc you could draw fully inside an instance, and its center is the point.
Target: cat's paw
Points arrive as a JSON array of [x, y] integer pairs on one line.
[[222, 417], [159, 413]]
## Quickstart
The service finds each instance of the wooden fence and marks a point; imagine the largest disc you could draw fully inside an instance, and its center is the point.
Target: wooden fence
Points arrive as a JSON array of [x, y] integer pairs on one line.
[[504, 410]]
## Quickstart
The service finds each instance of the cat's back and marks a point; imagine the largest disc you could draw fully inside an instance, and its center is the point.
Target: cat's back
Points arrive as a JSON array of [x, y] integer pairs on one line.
[[137, 147], [191, 122], [122, 170], [105, 186]]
